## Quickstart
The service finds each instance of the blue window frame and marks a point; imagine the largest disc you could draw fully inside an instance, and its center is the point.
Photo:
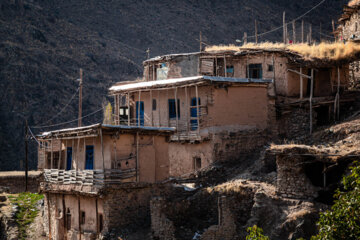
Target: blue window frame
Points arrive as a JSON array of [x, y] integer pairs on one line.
[[89, 157], [141, 118], [68, 158], [172, 109], [193, 114]]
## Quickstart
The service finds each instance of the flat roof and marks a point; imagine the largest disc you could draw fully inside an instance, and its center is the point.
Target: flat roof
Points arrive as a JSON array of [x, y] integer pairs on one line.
[[93, 131], [182, 81]]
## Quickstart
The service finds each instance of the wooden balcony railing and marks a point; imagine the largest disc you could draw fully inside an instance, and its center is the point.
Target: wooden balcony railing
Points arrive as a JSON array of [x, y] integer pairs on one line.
[[89, 177]]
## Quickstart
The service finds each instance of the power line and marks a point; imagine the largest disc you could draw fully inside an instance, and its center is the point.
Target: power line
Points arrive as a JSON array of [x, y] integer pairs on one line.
[[280, 27], [63, 107], [58, 124]]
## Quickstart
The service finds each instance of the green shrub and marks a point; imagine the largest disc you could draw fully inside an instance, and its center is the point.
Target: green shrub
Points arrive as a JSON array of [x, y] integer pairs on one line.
[[255, 233]]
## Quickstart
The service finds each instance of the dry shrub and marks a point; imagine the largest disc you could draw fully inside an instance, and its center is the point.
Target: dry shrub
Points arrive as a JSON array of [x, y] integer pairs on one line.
[[325, 51]]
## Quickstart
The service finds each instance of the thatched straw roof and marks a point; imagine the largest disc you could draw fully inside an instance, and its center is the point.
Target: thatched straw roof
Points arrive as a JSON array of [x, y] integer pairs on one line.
[[324, 51], [354, 3]]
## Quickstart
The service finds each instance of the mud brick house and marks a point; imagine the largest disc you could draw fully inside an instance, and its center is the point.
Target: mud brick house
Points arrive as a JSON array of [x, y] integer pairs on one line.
[[188, 111]]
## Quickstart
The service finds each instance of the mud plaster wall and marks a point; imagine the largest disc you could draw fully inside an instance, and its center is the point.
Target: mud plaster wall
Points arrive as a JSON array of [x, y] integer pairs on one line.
[[240, 69], [182, 156], [291, 179], [58, 228], [178, 67]]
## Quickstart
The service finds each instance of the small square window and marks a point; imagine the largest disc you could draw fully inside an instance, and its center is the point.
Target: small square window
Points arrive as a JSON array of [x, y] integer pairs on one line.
[[270, 68]]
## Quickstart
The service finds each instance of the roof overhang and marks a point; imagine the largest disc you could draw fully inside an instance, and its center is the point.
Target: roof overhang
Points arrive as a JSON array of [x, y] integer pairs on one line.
[[178, 82], [94, 131]]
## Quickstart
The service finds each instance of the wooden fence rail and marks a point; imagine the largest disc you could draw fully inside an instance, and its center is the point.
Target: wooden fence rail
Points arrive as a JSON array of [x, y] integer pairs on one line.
[[88, 177]]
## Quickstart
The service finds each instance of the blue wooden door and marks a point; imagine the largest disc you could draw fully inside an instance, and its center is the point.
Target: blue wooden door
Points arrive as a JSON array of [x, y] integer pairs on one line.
[[89, 158], [68, 158], [141, 118], [193, 114]]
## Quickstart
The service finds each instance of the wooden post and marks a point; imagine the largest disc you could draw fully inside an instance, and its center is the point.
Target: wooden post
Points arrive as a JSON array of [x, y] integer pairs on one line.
[[284, 27], [138, 111], [97, 216], [187, 110], [176, 113], [128, 107], [310, 34], [294, 31], [310, 99], [52, 154], [216, 68], [256, 32], [153, 70], [225, 66], [79, 217], [72, 153], [245, 38], [167, 97], [302, 31], [273, 63], [102, 150], [64, 216], [333, 28], [320, 32], [58, 167], [247, 66], [151, 108], [338, 93], [158, 109], [26, 154], [137, 156], [197, 109], [301, 84], [49, 217], [80, 97], [77, 155]]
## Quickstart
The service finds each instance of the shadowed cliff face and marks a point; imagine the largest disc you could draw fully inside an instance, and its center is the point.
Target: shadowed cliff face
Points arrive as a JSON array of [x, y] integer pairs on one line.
[[44, 43]]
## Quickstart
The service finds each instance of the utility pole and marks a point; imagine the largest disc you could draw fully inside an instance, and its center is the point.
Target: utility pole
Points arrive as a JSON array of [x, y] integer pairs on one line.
[[148, 53], [245, 38], [256, 32], [80, 97], [26, 155]]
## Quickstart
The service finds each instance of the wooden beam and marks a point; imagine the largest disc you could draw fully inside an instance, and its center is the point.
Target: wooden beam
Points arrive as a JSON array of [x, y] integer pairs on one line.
[[64, 216], [245, 38], [224, 67], [137, 157], [301, 84], [138, 111], [176, 112], [77, 155], [52, 154], [97, 217], [49, 215], [294, 31], [302, 31], [59, 161], [102, 149], [197, 109], [79, 217], [310, 99], [301, 74], [284, 27], [187, 111], [128, 106], [151, 109], [158, 107]]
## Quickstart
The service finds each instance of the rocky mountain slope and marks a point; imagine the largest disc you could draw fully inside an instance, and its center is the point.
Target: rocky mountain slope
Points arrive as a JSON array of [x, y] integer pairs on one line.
[[44, 43]]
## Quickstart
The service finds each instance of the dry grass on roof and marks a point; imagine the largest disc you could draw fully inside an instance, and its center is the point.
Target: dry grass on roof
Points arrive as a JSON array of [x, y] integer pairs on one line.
[[354, 3], [324, 51]]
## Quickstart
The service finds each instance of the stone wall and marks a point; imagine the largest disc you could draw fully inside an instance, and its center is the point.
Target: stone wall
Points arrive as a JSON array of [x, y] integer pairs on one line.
[[14, 182], [161, 227], [292, 181]]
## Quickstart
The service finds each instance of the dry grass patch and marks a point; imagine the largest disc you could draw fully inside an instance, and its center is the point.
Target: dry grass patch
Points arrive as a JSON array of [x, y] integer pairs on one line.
[[324, 50]]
